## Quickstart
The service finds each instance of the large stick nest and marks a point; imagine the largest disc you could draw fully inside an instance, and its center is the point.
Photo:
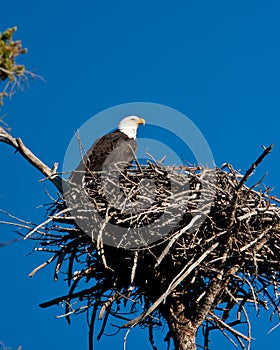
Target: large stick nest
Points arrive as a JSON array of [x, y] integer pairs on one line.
[[190, 230]]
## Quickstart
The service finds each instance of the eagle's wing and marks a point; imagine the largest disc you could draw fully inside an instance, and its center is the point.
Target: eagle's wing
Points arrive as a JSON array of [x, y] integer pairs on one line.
[[107, 151]]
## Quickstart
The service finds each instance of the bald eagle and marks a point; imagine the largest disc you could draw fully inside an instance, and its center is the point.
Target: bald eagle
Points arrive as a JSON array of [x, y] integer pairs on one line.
[[108, 152]]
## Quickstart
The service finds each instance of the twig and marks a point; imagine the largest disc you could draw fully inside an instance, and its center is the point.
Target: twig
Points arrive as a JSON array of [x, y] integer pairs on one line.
[[266, 151], [43, 265], [46, 222], [226, 326]]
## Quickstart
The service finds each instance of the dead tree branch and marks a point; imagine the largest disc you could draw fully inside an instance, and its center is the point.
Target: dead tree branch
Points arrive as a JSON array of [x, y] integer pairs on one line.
[[19, 146]]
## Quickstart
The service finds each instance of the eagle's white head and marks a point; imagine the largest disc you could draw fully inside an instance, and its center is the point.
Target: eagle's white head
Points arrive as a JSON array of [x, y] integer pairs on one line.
[[129, 125]]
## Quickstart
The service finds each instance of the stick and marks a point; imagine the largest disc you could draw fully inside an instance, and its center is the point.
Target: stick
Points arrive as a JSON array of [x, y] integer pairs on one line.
[[266, 151], [17, 143]]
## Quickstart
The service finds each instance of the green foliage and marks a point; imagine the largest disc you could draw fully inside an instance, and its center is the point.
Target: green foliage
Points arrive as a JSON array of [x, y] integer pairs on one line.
[[9, 50]]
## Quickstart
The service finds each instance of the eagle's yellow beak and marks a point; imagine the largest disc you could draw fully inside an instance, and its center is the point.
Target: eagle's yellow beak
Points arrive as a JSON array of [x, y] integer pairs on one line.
[[141, 121]]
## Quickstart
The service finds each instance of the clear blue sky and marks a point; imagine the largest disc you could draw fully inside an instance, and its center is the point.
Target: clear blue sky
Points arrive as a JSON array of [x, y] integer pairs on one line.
[[215, 61]]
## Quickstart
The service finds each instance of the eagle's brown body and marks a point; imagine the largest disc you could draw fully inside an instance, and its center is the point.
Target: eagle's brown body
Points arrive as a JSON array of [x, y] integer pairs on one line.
[[108, 152]]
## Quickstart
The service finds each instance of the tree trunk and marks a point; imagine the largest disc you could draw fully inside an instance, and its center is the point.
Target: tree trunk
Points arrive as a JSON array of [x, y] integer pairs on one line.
[[184, 336], [181, 328]]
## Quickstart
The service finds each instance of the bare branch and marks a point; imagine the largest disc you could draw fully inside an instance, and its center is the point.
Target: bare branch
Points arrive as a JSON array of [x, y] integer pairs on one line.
[[17, 143]]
